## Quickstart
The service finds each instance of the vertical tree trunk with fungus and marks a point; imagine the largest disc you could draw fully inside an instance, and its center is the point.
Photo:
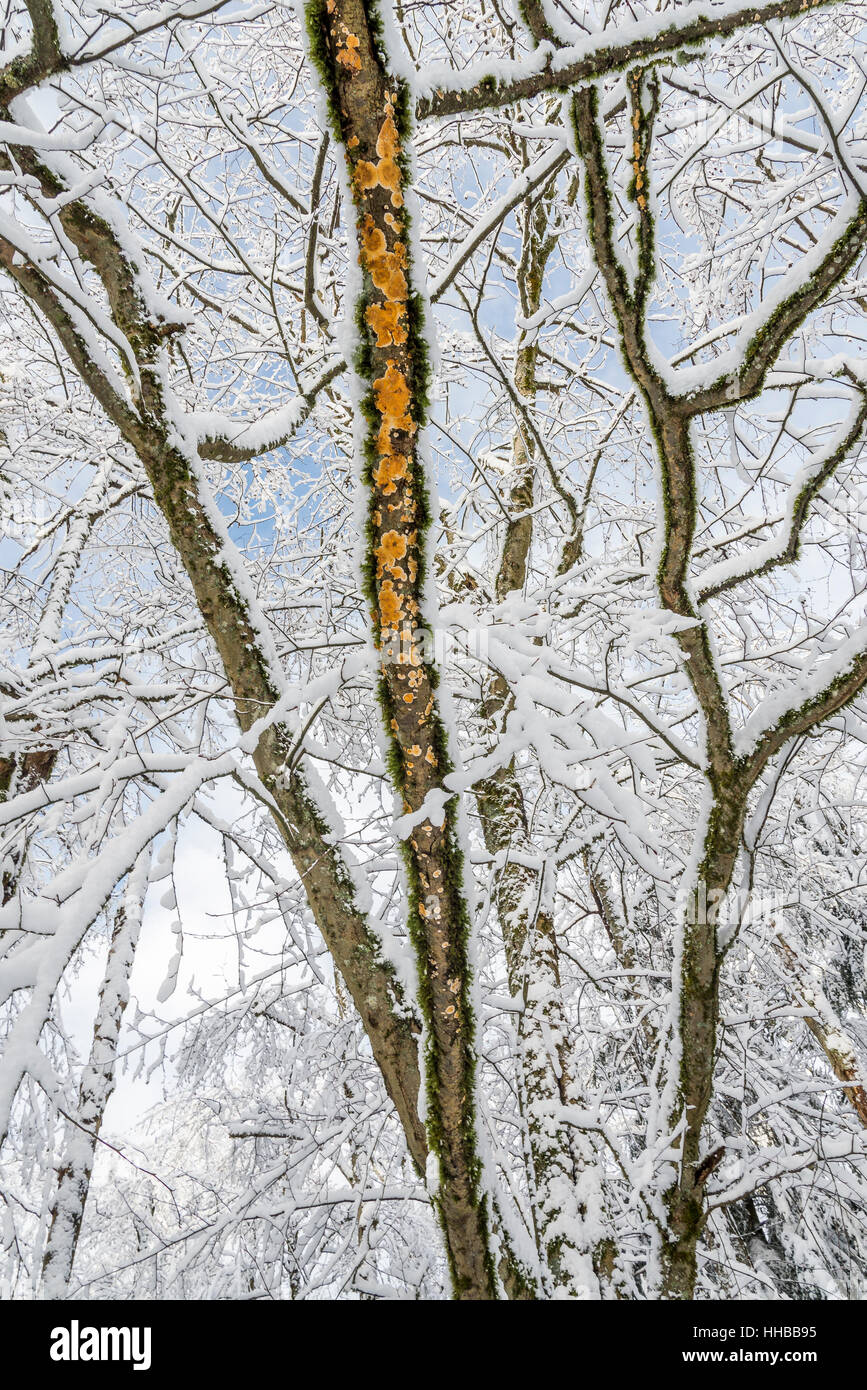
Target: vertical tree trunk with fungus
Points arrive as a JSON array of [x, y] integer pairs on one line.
[[369, 113]]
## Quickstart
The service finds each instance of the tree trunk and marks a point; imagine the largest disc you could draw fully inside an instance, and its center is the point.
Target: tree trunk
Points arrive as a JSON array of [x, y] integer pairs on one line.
[[369, 113], [81, 1131]]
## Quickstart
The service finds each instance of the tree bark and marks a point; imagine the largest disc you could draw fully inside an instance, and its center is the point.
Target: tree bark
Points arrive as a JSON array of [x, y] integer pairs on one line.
[[369, 110], [81, 1131]]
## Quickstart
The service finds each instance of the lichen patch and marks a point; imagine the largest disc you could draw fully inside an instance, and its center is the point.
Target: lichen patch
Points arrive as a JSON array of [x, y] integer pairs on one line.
[[348, 55], [391, 549], [392, 396], [386, 172], [390, 469], [387, 322], [390, 610], [387, 269]]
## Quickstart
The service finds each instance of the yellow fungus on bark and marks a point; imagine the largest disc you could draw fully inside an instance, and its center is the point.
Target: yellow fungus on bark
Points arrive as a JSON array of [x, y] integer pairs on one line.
[[348, 56], [391, 548], [390, 469], [390, 610], [385, 320], [386, 268], [386, 172], [392, 396]]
